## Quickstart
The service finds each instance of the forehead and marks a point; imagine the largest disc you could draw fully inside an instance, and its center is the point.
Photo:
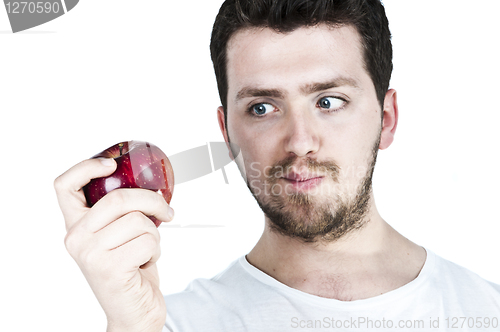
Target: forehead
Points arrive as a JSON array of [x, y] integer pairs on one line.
[[262, 57]]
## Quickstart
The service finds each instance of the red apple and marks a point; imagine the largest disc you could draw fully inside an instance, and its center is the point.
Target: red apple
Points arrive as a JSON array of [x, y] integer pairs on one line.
[[139, 165]]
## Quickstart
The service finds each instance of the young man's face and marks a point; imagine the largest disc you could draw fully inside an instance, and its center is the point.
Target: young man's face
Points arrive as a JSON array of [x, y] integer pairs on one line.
[[304, 112]]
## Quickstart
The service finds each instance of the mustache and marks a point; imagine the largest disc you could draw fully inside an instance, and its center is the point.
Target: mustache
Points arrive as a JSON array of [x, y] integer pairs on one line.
[[282, 167]]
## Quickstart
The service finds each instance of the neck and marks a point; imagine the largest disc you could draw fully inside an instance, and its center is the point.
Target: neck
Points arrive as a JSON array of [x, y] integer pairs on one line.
[[363, 263]]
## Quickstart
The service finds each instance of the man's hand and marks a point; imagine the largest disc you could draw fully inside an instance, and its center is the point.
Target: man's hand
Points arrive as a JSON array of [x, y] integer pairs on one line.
[[116, 246]]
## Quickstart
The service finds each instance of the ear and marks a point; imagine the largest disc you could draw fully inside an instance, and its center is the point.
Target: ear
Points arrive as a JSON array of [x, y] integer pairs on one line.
[[222, 126], [390, 120], [222, 123]]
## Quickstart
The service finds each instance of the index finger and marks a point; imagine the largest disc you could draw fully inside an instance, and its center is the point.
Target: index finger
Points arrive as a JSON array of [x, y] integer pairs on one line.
[[69, 186]]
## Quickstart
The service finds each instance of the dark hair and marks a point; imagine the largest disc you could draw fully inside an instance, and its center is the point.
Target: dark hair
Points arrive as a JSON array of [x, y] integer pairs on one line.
[[367, 16]]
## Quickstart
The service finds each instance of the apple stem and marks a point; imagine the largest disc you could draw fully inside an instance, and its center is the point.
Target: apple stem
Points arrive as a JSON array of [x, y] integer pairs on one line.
[[121, 149]]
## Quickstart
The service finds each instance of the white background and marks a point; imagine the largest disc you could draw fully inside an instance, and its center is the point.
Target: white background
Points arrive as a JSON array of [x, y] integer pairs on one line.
[[113, 70]]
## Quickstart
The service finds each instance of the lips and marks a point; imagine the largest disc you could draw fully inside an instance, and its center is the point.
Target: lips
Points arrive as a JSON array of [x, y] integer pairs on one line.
[[303, 181], [302, 174], [301, 177]]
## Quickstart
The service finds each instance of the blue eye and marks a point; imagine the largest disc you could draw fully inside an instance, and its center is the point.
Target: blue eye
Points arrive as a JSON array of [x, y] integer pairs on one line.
[[331, 103], [261, 109]]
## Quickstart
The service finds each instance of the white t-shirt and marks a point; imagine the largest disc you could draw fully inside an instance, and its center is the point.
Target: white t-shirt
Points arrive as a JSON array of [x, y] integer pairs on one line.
[[444, 297]]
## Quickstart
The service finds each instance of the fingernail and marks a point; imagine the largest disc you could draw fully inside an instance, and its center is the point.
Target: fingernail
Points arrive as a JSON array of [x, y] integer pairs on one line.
[[170, 212], [107, 161]]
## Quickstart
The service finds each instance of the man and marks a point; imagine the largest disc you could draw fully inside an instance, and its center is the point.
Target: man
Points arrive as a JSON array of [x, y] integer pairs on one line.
[[304, 92]]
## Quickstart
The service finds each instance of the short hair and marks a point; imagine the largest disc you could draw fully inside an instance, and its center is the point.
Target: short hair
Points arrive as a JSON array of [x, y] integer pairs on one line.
[[367, 16]]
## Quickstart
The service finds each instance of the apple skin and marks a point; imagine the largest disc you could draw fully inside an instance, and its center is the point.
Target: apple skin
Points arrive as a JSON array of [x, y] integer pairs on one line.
[[138, 165]]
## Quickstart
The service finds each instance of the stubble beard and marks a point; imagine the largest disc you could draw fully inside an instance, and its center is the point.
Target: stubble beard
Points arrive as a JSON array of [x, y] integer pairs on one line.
[[301, 216]]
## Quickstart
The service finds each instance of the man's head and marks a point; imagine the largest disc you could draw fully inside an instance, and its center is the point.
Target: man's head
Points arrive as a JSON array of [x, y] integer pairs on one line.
[[367, 16], [299, 99]]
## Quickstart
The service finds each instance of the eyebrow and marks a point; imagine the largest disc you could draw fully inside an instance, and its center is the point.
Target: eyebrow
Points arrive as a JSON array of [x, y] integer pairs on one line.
[[247, 92], [254, 92], [336, 82]]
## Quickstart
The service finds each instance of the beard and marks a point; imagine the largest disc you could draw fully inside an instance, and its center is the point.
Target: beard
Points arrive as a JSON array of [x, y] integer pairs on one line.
[[302, 216]]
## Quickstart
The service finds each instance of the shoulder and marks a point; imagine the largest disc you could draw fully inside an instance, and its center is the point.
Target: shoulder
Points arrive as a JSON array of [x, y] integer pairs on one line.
[[200, 291], [207, 300], [451, 272], [460, 282], [234, 279]]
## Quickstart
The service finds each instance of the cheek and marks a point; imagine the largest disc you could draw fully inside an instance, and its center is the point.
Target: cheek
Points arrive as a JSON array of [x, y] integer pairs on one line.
[[255, 143], [256, 153], [351, 147]]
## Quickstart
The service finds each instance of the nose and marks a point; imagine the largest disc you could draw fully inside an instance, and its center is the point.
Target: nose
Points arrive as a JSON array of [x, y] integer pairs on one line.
[[302, 134]]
